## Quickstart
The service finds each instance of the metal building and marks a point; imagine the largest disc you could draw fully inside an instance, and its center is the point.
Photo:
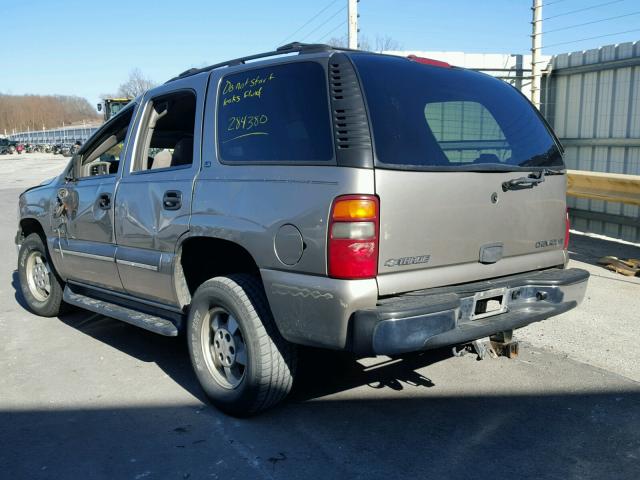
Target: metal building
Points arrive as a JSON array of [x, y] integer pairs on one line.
[[592, 100]]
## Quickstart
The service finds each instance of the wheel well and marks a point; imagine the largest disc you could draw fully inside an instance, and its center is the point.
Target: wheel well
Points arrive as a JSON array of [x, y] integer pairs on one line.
[[29, 226], [203, 258]]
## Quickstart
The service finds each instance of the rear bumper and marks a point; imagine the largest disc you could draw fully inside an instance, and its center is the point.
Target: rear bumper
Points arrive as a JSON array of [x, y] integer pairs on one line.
[[444, 316]]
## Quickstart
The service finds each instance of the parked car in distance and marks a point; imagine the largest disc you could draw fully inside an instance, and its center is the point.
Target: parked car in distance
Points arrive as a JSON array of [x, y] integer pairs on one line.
[[7, 147], [313, 196]]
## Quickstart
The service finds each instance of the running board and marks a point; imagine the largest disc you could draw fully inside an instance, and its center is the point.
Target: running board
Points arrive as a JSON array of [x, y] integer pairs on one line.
[[152, 323]]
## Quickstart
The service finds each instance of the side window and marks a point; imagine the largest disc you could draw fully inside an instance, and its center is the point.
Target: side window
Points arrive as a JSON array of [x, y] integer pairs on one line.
[[275, 114], [467, 132], [166, 139], [104, 154]]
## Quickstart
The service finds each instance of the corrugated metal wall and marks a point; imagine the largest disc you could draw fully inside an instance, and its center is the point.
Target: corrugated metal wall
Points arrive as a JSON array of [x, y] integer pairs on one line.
[[592, 100]]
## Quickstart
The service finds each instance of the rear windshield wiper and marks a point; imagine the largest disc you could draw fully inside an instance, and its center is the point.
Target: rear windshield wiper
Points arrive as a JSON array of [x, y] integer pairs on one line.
[[530, 181]]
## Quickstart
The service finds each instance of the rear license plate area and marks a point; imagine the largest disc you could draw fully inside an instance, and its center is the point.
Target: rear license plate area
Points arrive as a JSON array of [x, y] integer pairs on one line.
[[489, 303]]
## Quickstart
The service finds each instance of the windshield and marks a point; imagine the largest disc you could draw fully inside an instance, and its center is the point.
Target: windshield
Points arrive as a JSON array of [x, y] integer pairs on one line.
[[429, 117], [117, 106]]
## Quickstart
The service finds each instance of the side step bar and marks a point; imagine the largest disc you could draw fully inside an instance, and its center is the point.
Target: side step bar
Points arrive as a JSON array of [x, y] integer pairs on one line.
[[153, 323]]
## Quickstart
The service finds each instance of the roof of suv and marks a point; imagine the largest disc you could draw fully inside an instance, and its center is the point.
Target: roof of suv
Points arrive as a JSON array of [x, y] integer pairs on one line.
[[294, 47]]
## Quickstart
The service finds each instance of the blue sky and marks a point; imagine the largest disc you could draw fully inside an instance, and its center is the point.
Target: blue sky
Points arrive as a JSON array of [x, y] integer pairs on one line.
[[88, 48]]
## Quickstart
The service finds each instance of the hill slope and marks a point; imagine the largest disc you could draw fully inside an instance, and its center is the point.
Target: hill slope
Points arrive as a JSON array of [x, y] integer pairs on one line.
[[31, 112]]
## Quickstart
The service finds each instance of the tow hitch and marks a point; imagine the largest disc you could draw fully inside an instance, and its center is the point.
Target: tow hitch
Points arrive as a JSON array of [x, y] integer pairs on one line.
[[504, 344], [501, 344]]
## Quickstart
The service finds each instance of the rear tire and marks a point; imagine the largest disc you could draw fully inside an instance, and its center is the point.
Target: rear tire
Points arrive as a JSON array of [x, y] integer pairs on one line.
[[40, 285], [241, 360]]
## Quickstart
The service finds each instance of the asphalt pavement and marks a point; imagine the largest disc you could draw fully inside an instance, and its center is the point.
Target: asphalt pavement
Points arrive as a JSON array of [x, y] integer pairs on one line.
[[85, 396]]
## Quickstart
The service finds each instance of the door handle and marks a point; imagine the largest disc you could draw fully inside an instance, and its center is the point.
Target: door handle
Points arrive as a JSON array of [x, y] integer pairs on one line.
[[172, 200], [104, 201]]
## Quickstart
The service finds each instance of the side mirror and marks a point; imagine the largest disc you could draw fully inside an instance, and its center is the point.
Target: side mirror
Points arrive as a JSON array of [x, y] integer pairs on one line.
[[74, 172], [99, 107]]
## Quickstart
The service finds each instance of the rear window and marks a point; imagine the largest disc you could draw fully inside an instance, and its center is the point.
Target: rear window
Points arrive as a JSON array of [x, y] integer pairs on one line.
[[275, 114], [447, 118]]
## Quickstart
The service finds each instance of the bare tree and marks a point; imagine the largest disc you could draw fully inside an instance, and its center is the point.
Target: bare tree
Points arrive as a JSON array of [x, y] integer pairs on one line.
[[386, 43], [340, 42], [363, 42], [136, 85]]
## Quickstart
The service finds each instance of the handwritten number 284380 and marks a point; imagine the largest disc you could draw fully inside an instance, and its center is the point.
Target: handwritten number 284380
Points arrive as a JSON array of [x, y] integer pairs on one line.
[[246, 122]]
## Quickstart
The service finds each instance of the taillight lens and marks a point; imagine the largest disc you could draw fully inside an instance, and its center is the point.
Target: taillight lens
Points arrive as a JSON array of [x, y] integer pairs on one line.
[[567, 225], [353, 237]]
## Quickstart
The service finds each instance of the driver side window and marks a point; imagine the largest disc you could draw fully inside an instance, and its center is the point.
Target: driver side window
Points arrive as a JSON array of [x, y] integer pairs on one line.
[[104, 155]]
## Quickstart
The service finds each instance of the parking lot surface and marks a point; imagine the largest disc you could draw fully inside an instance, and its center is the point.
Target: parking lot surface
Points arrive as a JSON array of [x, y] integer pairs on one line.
[[85, 396]]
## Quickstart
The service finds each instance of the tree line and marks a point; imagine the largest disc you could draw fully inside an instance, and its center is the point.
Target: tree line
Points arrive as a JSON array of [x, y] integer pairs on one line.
[[32, 112]]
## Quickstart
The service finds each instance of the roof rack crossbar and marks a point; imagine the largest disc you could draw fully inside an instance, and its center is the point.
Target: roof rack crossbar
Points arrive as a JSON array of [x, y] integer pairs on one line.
[[283, 50]]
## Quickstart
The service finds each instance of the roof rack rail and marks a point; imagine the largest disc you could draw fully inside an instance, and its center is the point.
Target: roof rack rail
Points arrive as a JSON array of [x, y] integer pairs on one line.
[[284, 49]]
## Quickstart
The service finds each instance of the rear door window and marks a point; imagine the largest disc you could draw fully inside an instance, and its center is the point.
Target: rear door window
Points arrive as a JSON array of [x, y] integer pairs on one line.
[[167, 132], [275, 114], [448, 118]]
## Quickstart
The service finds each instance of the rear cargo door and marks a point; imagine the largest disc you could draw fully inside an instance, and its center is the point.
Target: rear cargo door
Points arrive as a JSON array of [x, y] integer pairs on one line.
[[470, 179]]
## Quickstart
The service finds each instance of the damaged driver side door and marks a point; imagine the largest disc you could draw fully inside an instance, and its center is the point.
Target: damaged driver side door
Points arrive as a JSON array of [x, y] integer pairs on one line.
[[83, 217]]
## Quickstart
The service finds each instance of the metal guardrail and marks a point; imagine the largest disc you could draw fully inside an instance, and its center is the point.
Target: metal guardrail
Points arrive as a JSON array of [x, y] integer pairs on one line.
[[612, 187]]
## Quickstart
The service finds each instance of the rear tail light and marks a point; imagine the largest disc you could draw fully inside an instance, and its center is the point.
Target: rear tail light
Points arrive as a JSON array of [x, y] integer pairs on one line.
[[567, 225], [353, 237]]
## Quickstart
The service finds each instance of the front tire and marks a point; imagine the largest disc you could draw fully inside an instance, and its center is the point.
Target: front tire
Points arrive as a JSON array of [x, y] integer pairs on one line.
[[241, 360], [39, 283]]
